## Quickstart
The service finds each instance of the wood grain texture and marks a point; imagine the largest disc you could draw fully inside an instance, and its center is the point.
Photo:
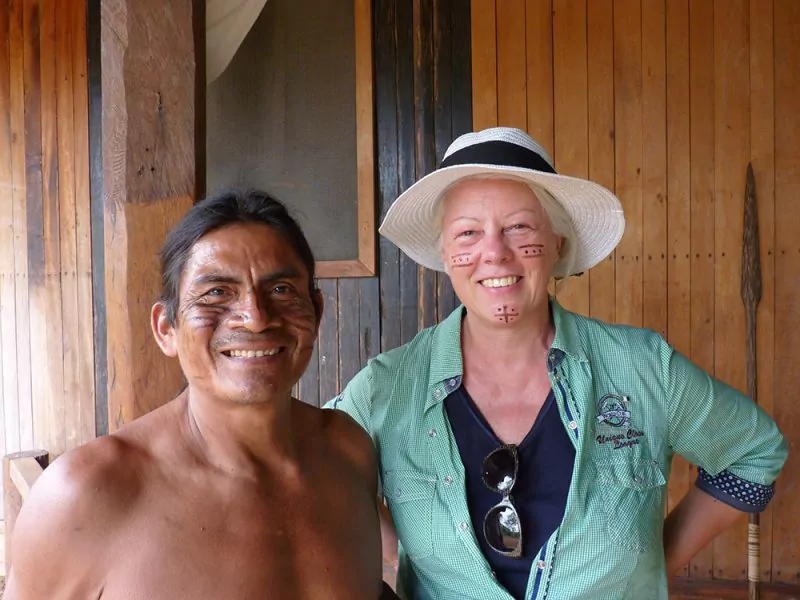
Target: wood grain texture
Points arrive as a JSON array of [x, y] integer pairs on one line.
[[732, 140], [86, 392], [762, 157], [484, 64], [678, 218], [512, 103], [571, 116], [149, 181], [628, 163], [539, 71], [654, 168], [786, 542], [600, 81], [9, 392], [703, 233]]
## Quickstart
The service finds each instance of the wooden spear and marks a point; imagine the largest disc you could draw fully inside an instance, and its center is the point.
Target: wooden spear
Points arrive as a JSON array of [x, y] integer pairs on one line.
[[751, 295]]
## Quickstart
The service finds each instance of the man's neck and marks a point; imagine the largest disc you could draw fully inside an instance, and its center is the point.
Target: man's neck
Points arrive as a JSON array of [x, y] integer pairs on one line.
[[243, 438]]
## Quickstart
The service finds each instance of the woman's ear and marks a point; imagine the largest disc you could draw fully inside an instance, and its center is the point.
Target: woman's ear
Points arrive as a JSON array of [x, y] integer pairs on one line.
[[163, 330]]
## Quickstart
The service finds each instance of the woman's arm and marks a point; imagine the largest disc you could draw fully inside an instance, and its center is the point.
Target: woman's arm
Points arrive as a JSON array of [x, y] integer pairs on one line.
[[698, 519]]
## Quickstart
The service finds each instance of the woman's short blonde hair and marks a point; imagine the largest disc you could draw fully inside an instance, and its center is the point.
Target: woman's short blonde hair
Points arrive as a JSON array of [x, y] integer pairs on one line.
[[559, 219]]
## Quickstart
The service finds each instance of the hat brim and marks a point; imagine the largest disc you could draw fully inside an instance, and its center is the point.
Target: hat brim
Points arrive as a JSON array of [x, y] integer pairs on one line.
[[597, 217]]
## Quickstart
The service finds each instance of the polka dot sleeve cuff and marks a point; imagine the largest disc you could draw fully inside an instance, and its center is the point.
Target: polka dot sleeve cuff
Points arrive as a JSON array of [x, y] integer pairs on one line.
[[734, 491]]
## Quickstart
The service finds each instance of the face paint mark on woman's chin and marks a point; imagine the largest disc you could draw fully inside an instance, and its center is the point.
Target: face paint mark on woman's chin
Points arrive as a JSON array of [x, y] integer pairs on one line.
[[532, 250], [462, 260], [506, 314]]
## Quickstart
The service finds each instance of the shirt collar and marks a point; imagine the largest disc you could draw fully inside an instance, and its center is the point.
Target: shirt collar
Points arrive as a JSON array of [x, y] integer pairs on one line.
[[447, 366]]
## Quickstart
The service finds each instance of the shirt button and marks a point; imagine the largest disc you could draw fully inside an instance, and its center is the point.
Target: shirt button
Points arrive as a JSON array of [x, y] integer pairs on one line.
[[448, 480], [494, 575], [437, 394], [573, 425], [432, 433], [452, 382], [398, 493], [556, 377], [462, 526], [541, 564], [637, 480]]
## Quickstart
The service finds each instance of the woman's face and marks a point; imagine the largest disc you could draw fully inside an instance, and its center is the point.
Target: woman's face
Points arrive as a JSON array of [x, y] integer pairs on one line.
[[499, 249]]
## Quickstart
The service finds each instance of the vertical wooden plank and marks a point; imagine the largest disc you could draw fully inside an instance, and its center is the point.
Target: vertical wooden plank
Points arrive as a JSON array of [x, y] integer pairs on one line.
[[425, 141], [701, 89], [149, 181], [86, 391], [444, 50], [678, 211], [762, 157], [654, 167], [349, 327], [512, 103], [9, 392], [539, 66], [369, 317], [40, 388], [406, 154], [68, 250], [20, 223], [570, 88], [307, 389], [786, 545], [600, 82], [732, 139], [385, 16], [94, 137], [484, 64], [329, 342], [628, 127], [54, 361]]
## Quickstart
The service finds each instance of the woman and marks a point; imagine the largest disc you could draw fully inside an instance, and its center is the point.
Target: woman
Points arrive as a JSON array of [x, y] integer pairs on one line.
[[525, 449]]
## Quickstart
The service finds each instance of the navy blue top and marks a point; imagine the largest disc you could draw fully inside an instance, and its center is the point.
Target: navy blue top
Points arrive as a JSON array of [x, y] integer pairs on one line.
[[546, 460]]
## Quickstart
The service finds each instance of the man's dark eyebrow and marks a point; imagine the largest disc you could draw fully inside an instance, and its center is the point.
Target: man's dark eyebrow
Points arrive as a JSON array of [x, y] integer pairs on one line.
[[218, 277], [286, 273]]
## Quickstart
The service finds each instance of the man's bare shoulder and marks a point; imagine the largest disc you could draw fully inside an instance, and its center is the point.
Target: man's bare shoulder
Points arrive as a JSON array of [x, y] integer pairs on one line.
[[345, 436]]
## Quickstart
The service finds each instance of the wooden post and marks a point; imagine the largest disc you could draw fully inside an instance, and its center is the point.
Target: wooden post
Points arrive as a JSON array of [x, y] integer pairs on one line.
[[751, 296], [151, 97], [20, 472]]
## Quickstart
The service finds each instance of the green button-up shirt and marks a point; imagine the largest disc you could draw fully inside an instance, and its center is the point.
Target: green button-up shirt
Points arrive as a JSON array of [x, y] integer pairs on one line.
[[628, 401]]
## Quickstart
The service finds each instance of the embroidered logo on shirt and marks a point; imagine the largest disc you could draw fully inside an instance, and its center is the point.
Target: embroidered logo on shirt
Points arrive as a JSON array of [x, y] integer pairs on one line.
[[611, 409]]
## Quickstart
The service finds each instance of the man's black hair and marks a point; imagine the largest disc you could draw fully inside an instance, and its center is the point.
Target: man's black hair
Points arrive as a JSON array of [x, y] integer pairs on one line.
[[215, 212]]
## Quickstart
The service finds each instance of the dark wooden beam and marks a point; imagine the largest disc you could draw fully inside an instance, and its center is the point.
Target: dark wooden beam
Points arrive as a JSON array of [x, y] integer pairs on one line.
[[694, 589], [151, 93]]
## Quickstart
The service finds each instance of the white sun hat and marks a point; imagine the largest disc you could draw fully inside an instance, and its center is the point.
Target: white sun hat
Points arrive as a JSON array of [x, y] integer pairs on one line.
[[596, 214]]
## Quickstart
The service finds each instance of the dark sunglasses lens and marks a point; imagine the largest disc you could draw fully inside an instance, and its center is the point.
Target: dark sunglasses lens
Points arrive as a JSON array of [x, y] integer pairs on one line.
[[500, 469], [502, 529]]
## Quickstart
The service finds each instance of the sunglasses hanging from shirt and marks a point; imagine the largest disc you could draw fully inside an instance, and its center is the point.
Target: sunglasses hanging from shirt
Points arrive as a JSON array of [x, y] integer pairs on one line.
[[501, 526]]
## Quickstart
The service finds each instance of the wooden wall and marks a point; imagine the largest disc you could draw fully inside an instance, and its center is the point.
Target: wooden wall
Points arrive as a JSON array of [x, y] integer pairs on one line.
[[422, 101], [46, 331], [666, 101]]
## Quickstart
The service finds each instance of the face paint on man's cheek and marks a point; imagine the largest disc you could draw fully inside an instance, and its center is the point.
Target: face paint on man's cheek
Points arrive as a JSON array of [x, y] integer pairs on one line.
[[531, 250], [506, 314], [463, 259], [302, 314]]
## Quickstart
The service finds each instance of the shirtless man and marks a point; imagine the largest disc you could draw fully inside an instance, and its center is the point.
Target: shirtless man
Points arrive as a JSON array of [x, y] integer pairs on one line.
[[233, 490]]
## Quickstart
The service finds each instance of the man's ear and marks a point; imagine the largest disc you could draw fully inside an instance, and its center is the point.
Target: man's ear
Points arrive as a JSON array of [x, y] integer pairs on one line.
[[164, 332], [319, 304]]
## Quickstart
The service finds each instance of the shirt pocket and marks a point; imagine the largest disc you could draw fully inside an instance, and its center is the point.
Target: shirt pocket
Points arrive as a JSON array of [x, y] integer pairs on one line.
[[410, 495], [633, 503]]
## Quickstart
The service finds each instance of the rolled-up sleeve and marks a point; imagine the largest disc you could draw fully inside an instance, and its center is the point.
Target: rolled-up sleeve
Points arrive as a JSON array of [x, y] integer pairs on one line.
[[737, 447]]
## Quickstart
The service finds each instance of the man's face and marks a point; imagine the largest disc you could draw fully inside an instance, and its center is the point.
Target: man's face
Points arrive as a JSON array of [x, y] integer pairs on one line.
[[246, 320]]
